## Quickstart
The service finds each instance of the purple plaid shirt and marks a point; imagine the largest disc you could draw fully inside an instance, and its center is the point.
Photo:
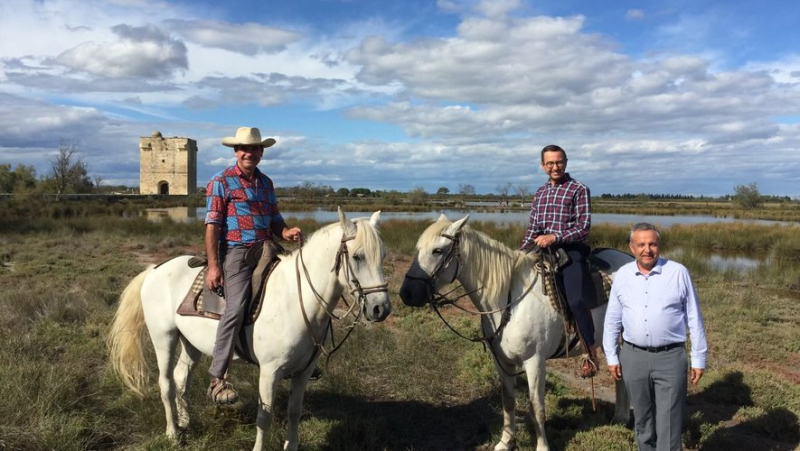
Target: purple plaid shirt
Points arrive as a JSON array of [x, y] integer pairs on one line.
[[244, 210], [563, 210]]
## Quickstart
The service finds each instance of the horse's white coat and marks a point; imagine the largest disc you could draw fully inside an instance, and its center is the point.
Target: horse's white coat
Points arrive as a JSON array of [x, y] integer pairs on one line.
[[488, 270], [282, 342]]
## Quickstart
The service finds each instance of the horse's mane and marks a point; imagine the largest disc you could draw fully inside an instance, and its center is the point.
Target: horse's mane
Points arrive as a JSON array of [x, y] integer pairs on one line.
[[367, 237], [490, 261]]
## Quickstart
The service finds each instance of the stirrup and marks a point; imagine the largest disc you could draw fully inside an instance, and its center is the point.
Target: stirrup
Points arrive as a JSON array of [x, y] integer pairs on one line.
[[588, 366], [316, 374], [221, 392]]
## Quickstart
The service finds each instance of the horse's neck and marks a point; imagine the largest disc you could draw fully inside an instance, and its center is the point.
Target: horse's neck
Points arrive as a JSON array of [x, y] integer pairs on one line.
[[319, 286], [477, 274]]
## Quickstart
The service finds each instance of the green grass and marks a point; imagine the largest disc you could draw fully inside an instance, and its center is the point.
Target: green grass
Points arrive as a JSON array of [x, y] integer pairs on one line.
[[408, 383]]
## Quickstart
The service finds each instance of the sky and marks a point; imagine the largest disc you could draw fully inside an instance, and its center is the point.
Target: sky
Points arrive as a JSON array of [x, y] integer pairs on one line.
[[691, 97]]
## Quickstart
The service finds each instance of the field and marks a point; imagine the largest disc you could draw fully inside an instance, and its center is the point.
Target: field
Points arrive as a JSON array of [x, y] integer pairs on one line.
[[406, 384]]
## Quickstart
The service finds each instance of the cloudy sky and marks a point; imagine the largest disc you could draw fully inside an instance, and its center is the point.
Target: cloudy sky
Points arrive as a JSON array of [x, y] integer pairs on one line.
[[681, 97]]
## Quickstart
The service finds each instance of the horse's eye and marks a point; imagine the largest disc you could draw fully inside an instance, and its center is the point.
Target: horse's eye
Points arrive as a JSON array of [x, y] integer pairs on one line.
[[357, 257], [437, 251]]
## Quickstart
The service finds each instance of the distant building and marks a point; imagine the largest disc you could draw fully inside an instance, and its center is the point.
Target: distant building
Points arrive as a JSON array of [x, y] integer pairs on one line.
[[167, 165]]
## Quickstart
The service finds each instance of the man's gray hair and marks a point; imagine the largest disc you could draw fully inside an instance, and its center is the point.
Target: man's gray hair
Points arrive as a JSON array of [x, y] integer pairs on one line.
[[644, 226]]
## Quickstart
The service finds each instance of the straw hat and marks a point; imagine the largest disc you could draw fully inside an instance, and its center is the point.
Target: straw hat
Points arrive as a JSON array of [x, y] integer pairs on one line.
[[247, 136]]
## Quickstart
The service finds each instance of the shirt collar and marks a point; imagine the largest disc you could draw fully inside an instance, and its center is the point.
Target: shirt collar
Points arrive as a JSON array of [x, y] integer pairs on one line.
[[240, 174], [564, 180], [657, 268]]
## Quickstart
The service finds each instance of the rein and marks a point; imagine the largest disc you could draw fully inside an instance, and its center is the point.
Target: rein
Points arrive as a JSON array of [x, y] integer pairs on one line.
[[437, 300], [342, 255]]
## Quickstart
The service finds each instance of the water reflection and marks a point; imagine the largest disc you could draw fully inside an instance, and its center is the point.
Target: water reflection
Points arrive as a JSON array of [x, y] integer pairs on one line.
[[722, 260], [177, 214], [501, 218]]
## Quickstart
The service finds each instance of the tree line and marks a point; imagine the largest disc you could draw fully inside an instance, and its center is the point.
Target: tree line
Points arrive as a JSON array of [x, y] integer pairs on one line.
[[69, 175]]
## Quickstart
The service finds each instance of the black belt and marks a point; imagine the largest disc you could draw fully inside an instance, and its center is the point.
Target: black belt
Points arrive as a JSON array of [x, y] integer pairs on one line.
[[657, 348]]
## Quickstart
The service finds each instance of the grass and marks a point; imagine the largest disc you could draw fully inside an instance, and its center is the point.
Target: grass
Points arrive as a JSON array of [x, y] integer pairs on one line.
[[406, 384]]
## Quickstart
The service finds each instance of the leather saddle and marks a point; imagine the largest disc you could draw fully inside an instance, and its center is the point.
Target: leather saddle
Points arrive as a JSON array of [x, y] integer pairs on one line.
[[200, 301], [599, 286], [597, 289]]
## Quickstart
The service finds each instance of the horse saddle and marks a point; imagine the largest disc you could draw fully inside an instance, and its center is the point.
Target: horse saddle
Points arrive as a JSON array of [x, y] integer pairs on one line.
[[200, 301], [597, 288]]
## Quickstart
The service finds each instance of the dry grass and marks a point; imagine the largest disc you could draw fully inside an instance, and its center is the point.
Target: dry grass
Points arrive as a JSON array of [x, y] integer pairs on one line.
[[405, 384]]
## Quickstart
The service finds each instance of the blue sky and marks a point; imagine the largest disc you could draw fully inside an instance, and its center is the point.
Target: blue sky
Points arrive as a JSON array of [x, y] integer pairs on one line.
[[646, 96]]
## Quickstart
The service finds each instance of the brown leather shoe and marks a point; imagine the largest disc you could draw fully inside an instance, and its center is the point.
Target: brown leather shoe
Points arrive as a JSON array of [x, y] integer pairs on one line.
[[221, 392]]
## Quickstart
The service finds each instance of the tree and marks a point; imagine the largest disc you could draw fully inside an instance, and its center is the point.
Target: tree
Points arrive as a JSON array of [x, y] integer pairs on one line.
[[523, 189], [360, 192], [465, 189], [343, 192], [503, 191], [442, 191], [418, 196], [747, 196], [68, 171], [21, 178]]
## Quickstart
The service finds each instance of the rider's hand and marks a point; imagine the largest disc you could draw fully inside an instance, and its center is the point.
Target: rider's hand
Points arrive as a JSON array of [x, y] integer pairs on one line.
[[292, 234], [214, 279]]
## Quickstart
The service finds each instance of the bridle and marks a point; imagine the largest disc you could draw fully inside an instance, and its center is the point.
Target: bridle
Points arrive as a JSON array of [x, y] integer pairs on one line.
[[342, 261], [437, 300], [453, 253]]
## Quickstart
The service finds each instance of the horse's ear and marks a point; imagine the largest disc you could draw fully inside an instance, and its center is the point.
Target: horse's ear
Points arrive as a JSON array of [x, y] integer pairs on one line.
[[342, 218], [375, 219], [442, 217], [455, 227]]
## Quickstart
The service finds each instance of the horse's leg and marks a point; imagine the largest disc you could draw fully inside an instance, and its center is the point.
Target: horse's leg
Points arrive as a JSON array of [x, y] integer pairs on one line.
[[165, 344], [535, 370], [509, 407], [268, 380], [295, 408], [182, 375], [622, 407]]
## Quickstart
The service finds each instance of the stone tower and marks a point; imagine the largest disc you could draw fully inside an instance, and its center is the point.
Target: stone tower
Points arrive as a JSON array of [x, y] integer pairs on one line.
[[167, 165]]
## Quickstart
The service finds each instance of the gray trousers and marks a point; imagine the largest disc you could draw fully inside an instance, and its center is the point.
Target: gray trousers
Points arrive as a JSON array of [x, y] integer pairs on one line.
[[656, 383], [237, 275]]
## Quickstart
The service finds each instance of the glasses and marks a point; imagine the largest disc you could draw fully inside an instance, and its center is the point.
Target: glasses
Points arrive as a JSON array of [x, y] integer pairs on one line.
[[559, 163]]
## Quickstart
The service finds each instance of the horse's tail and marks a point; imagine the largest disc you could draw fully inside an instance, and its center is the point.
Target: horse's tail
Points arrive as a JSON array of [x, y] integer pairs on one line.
[[127, 335]]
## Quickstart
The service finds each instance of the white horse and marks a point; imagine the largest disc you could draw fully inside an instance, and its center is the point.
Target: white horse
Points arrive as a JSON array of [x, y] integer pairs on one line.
[[285, 339], [520, 325]]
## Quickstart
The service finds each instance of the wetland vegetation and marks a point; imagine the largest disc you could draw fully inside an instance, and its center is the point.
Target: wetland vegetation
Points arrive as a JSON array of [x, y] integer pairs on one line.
[[408, 383]]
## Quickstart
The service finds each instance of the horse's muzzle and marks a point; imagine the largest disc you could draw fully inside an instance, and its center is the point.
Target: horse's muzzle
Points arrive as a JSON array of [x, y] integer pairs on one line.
[[415, 292]]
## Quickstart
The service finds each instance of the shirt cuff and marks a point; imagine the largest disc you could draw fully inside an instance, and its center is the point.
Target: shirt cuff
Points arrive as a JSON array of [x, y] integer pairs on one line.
[[698, 362]]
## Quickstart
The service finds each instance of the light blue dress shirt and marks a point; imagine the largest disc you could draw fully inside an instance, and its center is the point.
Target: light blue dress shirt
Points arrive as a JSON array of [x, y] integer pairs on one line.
[[653, 310]]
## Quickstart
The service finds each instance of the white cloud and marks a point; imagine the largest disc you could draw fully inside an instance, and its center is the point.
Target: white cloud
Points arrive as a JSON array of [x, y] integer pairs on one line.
[[634, 14], [140, 52], [247, 38]]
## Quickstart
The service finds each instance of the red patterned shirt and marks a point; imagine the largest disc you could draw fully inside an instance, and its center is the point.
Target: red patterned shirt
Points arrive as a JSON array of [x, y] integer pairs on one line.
[[245, 210], [563, 209]]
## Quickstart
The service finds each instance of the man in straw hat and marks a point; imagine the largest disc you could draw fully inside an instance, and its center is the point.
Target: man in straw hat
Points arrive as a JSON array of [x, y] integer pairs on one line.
[[242, 210]]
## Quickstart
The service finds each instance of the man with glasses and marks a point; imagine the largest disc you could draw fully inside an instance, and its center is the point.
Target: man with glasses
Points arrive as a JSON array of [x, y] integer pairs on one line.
[[560, 219]]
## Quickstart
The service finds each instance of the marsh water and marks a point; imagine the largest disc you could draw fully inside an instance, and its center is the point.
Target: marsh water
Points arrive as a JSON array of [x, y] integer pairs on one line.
[[723, 260]]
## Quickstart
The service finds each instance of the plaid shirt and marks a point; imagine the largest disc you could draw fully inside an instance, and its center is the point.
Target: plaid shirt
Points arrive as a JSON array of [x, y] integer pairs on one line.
[[563, 210], [245, 210]]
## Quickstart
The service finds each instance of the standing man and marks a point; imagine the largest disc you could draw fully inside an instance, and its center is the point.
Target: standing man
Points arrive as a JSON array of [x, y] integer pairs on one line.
[[560, 219], [653, 302], [241, 211]]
